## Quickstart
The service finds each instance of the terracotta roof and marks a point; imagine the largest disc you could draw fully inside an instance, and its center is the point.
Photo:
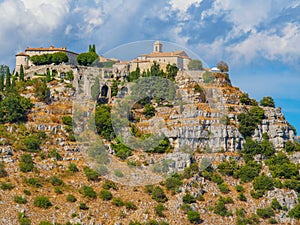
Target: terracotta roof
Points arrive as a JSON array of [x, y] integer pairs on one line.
[[180, 54], [122, 63], [140, 61], [51, 48], [22, 54]]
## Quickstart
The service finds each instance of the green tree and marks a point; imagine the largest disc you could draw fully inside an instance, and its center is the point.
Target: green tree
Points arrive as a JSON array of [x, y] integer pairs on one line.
[[48, 75], [88, 192], [105, 195], [14, 108], [87, 58], [263, 182], [41, 91], [295, 212], [26, 163], [159, 195], [7, 76], [59, 57], [171, 71], [195, 64], [114, 88], [267, 102], [223, 66], [193, 216], [103, 122], [42, 202], [22, 75], [265, 212], [1, 82], [149, 111]]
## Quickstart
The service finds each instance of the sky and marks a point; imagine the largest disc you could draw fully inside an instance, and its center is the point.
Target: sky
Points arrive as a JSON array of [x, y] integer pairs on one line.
[[260, 40]]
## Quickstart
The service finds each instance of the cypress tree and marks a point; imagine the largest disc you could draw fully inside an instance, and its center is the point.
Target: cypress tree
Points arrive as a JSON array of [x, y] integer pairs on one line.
[[1, 82], [13, 83], [7, 83], [48, 78], [21, 73]]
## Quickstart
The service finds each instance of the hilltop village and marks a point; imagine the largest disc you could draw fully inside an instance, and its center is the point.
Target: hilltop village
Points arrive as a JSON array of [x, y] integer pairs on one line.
[[86, 139]]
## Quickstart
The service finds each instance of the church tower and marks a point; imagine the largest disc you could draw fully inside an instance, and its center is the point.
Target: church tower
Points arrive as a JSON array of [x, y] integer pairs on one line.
[[157, 47]]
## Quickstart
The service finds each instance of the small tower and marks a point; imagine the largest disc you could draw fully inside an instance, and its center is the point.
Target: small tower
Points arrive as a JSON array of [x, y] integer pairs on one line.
[[157, 47]]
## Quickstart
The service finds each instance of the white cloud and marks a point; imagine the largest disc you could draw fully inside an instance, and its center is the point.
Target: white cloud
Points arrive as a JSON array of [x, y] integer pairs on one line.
[[182, 6], [270, 45]]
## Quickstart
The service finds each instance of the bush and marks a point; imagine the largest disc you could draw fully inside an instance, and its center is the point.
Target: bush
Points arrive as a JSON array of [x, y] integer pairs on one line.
[[263, 182], [228, 167], [267, 102], [195, 64], [33, 182], [130, 206], [242, 197], [249, 171], [88, 192], [159, 195], [20, 200], [275, 204], [216, 178], [55, 181], [159, 209], [103, 122], [193, 217], [6, 186], [223, 188], [71, 198], [42, 202], [208, 77], [44, 59], [108, 184], [239, 188], [54, 154], [91, 174], [83, 206], [163, 147], [105, 195], [173, 183], [67, 120], [73, 168], [57, 190], [188, 199], [26, 163], [87, 58], [117, 202], [257, 194], [32, 143], [41, 91], [295, 212], [3, 172], [265, 212], [149, 111], [220, 207], [45, 223]]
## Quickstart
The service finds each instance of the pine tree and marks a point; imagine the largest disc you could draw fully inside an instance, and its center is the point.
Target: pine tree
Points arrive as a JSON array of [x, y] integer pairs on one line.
[[1, 82], [48, 78], [21, 73], [7, 83], [13, 83]]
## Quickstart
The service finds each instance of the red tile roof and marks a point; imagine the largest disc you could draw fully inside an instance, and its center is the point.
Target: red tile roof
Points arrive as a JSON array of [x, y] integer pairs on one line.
[[51, 48], [22, 54]]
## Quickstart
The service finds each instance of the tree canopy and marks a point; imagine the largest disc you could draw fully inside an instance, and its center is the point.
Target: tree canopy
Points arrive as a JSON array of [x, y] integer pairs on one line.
[[44, 59], [223, 66], [195, 64], [267, 102]]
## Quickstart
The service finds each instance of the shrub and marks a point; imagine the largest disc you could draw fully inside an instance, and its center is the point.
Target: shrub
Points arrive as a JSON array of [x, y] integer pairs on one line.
[[249, 171], [228, 167], [3, 172], [88, 192], [216, 178], [263, 182], [117, 202], [108, 184], [118, 173], [54, 154], [27, 192], [57, 190], [208, 77], [159, 210], [267, 102], [6, 186], [73, 168], [188, 199], [83, 206], [265, 212], [55, 181], [105, 195], [91, 174], [242, 197], [42, 202], [257, 194], [20, 199], [220, 207], [45, 223], [130, 206], [149, 188], [195, 64], [223, 188], [71, 198], [41, 91], [272, 221], [67, 120], [193, 216], [121, 150], [159, 195], [26, 163], [173, 183], [32, 143], [239, 188], [275, 204], [149, 111], [33, 182]]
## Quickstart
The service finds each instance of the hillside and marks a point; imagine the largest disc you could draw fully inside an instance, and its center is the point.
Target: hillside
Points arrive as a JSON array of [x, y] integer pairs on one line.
[[223, 159]]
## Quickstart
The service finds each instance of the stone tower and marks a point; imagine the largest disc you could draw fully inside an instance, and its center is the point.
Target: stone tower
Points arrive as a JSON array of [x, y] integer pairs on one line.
[[157, 47]]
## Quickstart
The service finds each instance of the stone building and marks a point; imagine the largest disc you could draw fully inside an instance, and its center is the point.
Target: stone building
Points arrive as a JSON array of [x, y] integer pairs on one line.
[[144, 61], [23, 58]]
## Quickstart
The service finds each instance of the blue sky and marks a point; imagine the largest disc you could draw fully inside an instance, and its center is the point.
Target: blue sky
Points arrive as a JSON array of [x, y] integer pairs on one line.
[[259, 39]]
